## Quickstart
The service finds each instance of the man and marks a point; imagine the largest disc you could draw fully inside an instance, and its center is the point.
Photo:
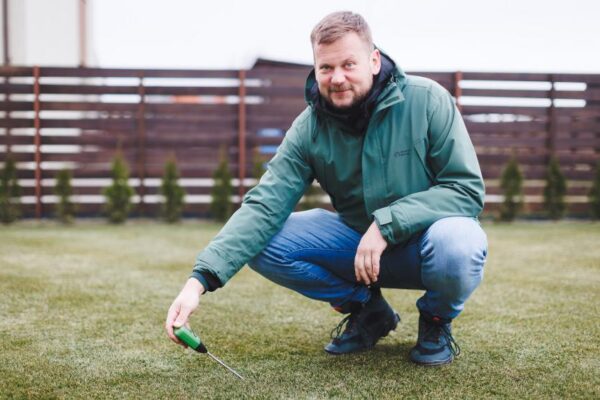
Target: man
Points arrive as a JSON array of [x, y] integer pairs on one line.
[[392, 152]]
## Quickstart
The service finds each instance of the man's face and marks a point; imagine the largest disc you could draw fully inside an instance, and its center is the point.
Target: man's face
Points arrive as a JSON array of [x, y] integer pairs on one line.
[[345, 69]]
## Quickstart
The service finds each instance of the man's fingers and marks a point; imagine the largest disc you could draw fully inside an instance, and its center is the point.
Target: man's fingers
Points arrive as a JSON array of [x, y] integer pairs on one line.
[[368, 255], [359, 267], [182, 318], [176, 317], [376, 257], [369, 267], [171, 316]]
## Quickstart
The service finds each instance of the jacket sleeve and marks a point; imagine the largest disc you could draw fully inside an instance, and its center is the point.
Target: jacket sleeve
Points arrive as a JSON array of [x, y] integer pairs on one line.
[[458, 188], [264, 209]]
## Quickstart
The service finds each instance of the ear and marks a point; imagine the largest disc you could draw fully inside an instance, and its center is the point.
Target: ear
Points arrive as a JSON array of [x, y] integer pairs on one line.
[[375, 61]]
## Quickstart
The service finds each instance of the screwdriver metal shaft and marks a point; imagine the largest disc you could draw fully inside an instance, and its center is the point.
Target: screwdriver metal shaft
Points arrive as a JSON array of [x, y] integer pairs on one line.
[[225, 365]]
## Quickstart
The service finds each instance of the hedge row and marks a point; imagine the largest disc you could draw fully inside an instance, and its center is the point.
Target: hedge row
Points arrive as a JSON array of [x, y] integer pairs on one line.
[[118, 195]]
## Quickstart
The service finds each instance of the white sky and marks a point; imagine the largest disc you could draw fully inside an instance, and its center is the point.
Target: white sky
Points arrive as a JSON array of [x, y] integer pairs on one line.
[[467, 35]]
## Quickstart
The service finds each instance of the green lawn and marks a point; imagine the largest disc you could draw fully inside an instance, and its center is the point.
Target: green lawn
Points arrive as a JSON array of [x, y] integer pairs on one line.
[[83, 307]]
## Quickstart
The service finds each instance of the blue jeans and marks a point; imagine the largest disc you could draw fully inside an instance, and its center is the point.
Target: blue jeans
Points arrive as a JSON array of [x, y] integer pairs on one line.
[[313, 254]]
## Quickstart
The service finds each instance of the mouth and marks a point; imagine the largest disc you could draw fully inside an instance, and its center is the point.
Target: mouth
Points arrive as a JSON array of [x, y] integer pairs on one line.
[[340, 90]]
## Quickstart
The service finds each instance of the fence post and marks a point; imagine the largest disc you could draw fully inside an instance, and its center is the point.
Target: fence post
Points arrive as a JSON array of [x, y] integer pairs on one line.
[[551, 139], [242, 134], [37, 142], [5, 32], [141, 142], [457, 89], [7, 110]]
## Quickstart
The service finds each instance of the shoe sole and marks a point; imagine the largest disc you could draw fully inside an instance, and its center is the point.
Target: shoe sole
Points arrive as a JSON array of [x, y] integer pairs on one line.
[[435, 364], [390, 327]]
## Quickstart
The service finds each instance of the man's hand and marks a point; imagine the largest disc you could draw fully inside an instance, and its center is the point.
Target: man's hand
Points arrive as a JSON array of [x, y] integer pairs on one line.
[[183, 306], [368, 253]]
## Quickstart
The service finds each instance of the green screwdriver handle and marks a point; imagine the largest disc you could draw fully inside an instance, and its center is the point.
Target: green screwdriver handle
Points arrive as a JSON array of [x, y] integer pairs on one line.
[[190, 338]]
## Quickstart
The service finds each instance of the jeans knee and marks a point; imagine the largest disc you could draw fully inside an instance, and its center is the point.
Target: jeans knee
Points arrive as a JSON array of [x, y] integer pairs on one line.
[[453, 252], [465, 259]]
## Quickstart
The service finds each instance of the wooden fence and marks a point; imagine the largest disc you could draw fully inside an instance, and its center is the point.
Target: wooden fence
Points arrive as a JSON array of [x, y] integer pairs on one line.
[[76, 118]]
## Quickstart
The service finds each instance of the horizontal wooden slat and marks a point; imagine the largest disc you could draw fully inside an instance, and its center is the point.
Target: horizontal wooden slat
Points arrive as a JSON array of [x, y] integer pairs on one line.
[[277, 91], [16, 123], [505, 76], [97, 190], [279, 74], [527, 111], [508, 143], [16, 106], [16, 88], [16, 71], [578, 112], [151, 108], [502, 127], [17, 156], [539, 190], [178, 108], [501, 159], [88, 106], [133, 73], [134, 90], [15, 140], [275, 107], [102, 172], [592, 78], [590, 94], [506, 93], [536, 172]]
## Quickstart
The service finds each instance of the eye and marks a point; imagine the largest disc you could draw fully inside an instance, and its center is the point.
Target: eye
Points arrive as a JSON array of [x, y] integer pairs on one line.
[[350, 64], [325, 68]]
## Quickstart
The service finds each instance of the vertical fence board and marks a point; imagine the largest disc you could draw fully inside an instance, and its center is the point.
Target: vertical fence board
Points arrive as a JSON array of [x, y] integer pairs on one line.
[[37, 143], [141, 142], [242, 134]]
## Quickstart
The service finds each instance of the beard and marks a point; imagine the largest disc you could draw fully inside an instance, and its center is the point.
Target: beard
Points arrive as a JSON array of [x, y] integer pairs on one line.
[[356, 101]]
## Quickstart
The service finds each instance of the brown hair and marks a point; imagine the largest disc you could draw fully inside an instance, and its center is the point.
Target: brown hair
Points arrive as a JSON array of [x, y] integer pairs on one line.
[[337, 24]]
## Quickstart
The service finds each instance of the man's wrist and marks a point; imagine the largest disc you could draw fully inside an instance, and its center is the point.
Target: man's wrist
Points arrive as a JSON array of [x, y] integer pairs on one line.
[[194, 284]]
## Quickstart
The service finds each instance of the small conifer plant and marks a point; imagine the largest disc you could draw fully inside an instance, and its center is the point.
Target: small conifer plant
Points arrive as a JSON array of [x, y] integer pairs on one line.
[[118, 194], [555, 190], [220, 206], [172, 192], [511, 184], [594, 194], [10, 192], [65, 209]]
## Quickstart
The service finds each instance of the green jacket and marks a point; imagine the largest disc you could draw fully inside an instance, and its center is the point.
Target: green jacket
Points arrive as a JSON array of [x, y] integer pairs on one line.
[[414, 165]]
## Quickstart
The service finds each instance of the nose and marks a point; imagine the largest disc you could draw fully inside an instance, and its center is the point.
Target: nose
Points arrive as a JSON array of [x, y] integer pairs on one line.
[[338, 77]]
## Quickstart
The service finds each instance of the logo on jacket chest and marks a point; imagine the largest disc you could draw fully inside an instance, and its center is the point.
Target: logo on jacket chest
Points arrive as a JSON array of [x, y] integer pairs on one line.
[[402, 153]]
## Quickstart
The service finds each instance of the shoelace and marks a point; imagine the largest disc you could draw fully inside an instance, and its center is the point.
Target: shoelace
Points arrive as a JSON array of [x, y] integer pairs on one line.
[[338, 329], [454, 347], [445, 332]]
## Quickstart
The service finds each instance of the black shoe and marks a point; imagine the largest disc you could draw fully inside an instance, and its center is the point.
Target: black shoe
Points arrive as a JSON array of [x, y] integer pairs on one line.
[[365, 325], [435, 344]]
